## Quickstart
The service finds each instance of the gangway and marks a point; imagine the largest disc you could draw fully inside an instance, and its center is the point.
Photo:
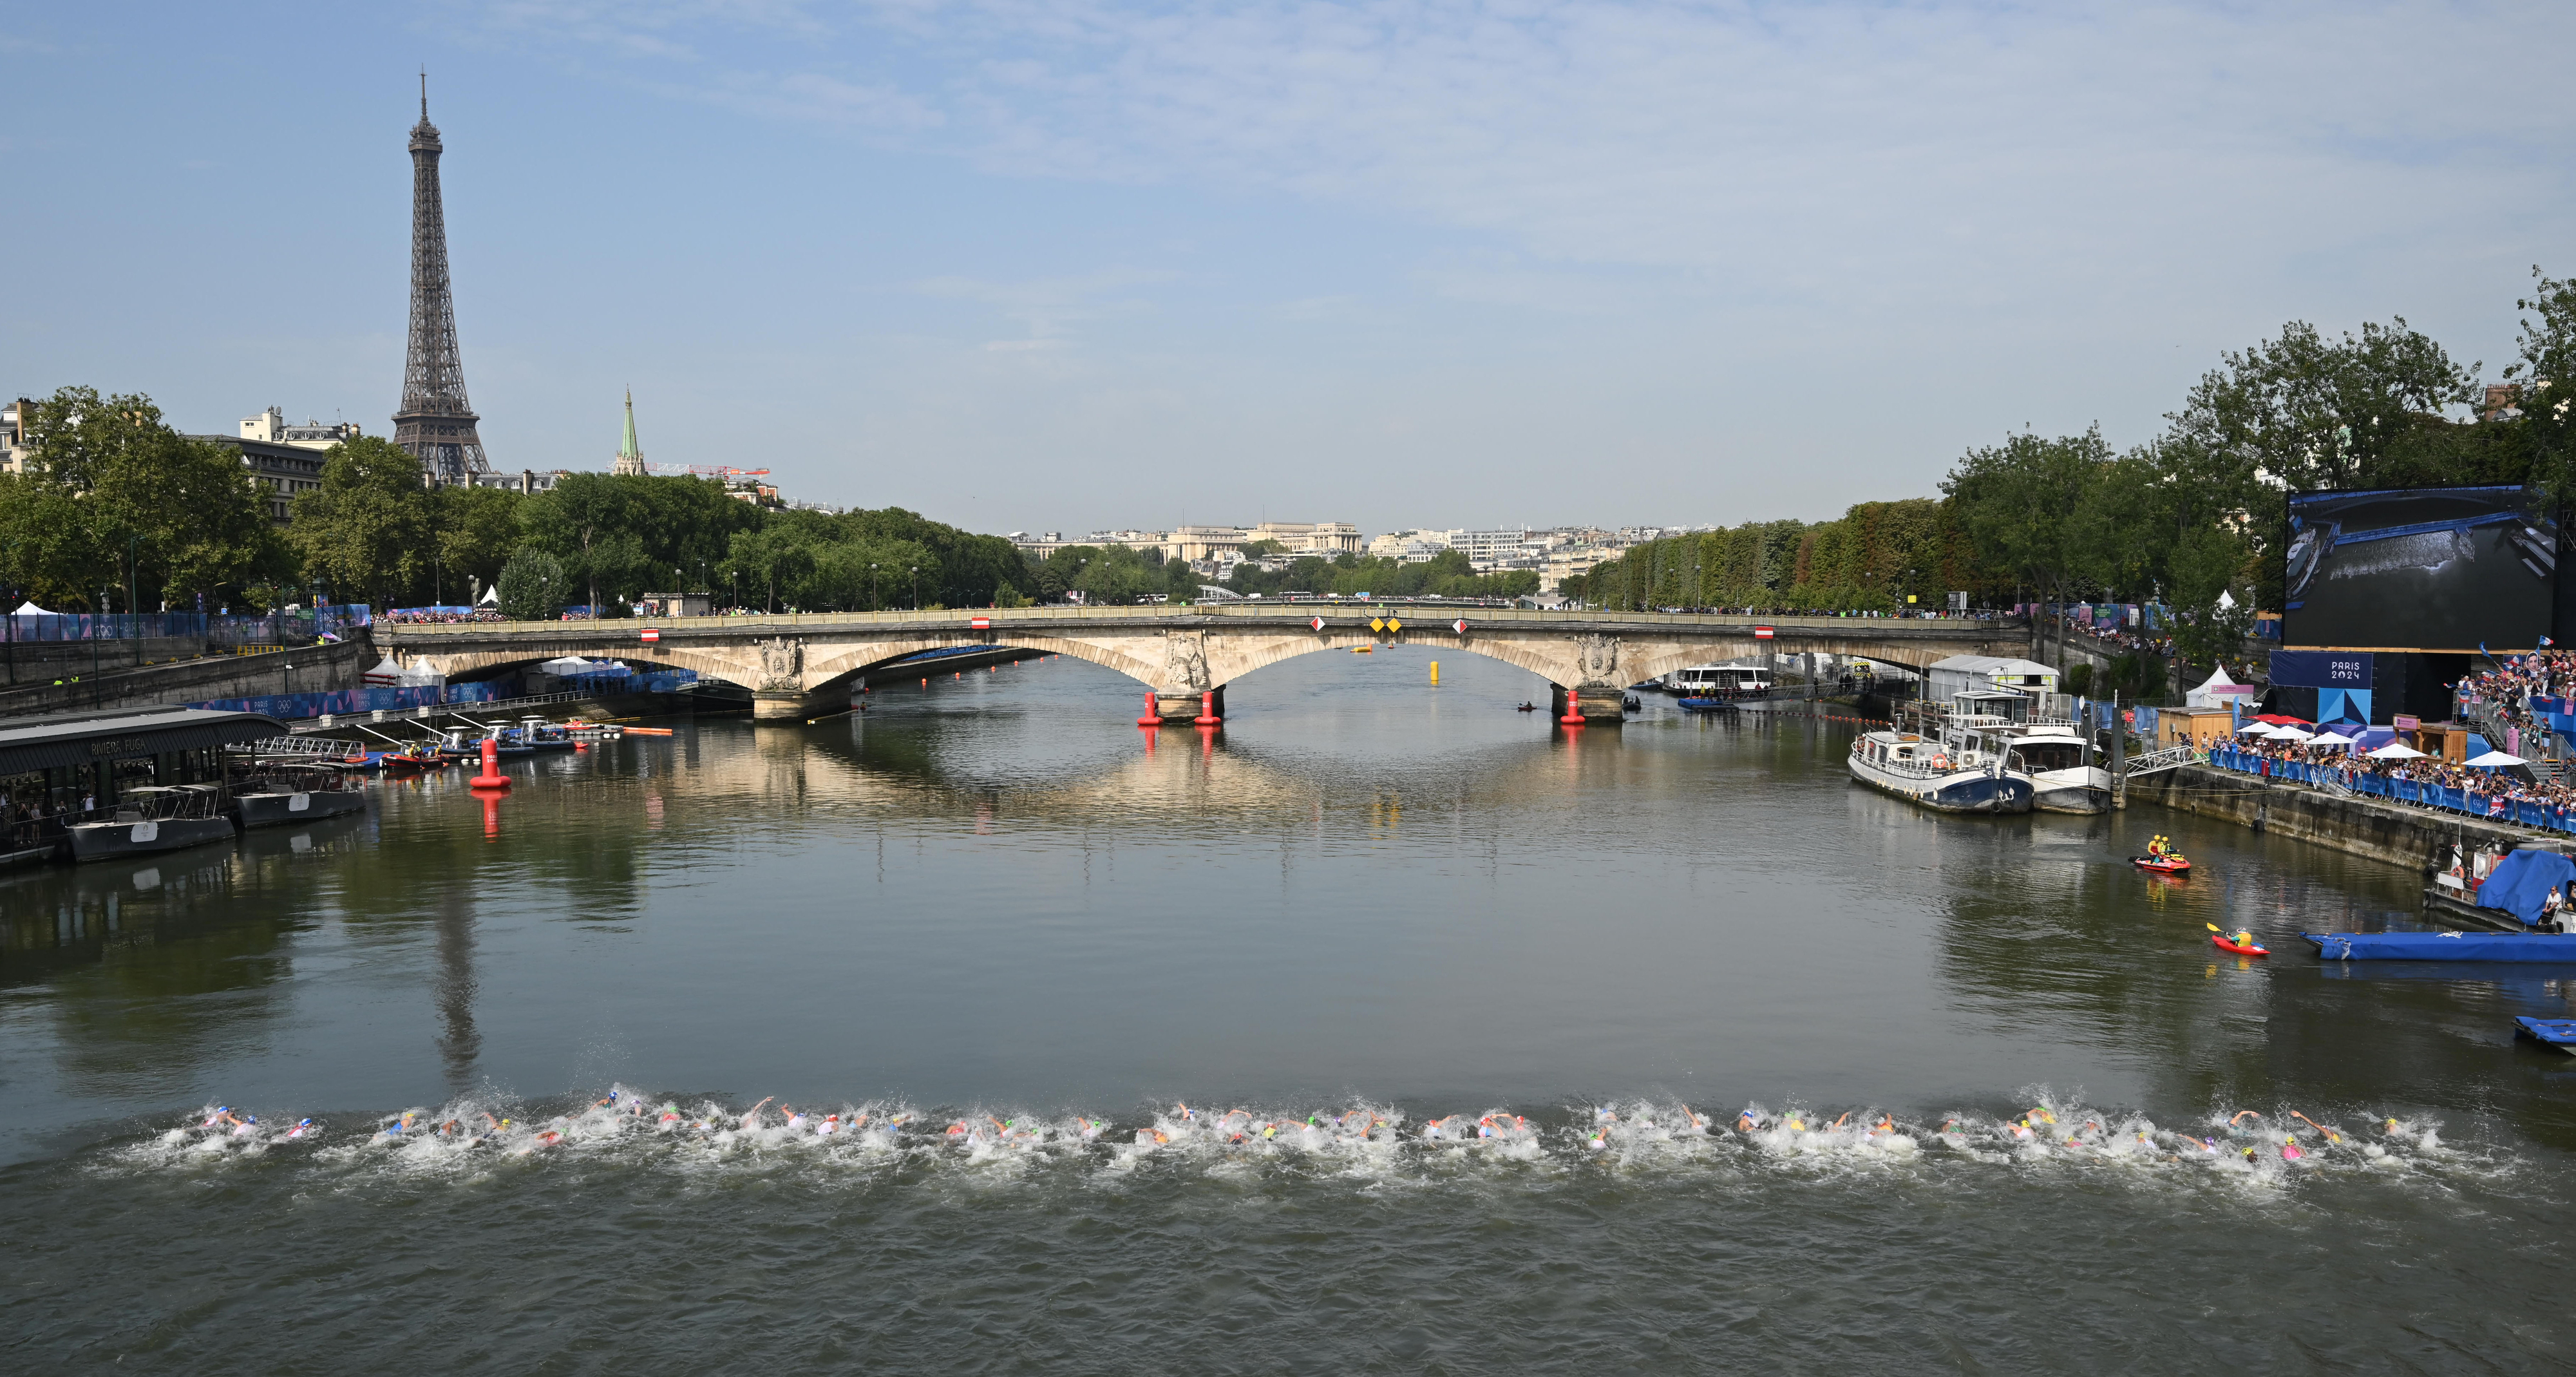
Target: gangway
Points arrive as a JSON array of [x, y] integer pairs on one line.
[[2157, 762]]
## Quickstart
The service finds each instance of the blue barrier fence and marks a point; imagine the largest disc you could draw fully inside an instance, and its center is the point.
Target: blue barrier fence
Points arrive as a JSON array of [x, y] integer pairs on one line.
[[2467, 802], [300, 705]]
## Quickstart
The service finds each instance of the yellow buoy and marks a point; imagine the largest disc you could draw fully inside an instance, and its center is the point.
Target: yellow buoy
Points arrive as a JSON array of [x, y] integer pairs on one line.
[[1435, 674]]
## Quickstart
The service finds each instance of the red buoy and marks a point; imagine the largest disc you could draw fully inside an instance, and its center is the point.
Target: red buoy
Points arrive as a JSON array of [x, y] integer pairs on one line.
[[1153, 712], [1573, 709], [491, 781], [1207, 710]]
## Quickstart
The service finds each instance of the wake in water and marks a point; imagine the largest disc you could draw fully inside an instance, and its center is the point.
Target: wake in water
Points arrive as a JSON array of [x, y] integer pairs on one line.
[[2254, 1147]]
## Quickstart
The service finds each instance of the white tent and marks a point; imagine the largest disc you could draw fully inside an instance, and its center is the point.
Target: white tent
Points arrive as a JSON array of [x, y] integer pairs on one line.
[[2495, 758], [491, 597], [569, 664], [2331, 739], [2255, 729], [2396, 750], [2291, 734], [2213, 691], [30, 609], [385, 675]]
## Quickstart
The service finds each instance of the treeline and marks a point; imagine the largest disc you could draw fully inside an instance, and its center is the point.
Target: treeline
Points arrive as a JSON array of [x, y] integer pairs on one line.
[[116, 499], [2193, 517]]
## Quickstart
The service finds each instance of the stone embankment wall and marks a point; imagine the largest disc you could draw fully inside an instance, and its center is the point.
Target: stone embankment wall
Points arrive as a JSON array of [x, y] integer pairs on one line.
[[2394, 832], [304, 669], [42, 662]]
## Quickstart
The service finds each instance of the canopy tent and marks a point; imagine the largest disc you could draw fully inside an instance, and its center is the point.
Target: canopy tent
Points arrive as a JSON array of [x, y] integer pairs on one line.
[[2330, 739], [568, 664], [30, 609], [2215, 688], [491, 597], [2291, 734], [2396, 750], [2520, 883], [2280, 719], [2255, 729], [386, 674], [2493, 759]]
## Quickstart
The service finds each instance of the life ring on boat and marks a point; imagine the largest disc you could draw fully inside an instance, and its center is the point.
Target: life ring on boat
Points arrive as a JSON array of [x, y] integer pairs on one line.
[[1940, 762]]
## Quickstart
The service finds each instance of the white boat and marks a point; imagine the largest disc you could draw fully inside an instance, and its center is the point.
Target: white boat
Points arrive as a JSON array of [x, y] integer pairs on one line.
[[1950, 776], [277, 794], [2063, 767], [1734, 679]]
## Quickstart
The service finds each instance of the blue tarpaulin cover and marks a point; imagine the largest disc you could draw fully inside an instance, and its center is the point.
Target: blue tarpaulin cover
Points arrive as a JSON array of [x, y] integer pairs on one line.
[[2554, 1031], [2444, 946], [2522, 880]]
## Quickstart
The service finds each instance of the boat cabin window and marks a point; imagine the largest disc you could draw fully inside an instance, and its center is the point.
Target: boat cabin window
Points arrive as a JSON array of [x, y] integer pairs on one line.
[[2040, 756]]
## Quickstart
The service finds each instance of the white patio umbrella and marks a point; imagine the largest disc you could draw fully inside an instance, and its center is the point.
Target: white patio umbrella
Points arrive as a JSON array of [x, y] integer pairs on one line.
[[2493, 759], [2330, 739], [2255, 729], [2396, 750], [2289, 734]]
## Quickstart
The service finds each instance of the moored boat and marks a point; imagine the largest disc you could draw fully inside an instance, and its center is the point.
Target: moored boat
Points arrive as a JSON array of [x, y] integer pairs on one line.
[[153, 819], [278, 794], [1936, 775]]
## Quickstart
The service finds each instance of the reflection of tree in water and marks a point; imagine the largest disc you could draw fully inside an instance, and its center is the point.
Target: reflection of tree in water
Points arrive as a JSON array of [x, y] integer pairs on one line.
[[162, 964], [458, 1042]]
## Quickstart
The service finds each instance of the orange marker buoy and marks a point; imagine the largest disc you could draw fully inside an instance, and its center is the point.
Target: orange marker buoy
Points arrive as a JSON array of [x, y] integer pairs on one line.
[[1153, 712]]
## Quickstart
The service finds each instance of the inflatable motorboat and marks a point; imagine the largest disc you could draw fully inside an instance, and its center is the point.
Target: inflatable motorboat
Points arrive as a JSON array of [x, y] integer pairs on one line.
[[2162, 865]]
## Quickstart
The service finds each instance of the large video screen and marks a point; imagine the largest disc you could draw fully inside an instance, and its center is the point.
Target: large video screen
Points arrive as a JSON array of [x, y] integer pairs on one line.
[[2420, 569]]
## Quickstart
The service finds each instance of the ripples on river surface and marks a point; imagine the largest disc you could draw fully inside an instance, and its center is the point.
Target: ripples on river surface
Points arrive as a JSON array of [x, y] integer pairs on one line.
[[1991, 1070]]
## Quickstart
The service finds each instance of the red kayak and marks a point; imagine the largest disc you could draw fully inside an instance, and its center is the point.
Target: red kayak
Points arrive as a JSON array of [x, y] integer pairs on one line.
[[2223, 944], [2162, 865]]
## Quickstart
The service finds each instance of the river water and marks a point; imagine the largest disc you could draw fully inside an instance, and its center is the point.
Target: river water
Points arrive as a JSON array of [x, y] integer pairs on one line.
[[1366, 905]]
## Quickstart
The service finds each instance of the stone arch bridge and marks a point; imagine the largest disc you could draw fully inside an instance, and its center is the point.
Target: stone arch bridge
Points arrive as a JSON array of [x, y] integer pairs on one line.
[[798, 665]]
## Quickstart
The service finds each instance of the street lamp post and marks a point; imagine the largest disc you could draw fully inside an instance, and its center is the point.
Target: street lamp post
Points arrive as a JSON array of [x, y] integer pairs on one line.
[[873, 604], [916, 588]]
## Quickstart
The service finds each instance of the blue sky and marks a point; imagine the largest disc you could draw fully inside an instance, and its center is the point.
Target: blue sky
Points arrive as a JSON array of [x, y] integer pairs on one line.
[[1074, 265]]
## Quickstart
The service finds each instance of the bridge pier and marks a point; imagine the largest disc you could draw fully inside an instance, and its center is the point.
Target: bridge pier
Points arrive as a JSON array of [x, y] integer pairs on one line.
[[1180, 707], [1601, 705], [786, 705]]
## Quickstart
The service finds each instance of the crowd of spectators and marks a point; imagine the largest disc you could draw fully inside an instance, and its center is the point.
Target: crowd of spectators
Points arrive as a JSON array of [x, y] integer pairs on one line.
[[2504, 692], [440, 616]]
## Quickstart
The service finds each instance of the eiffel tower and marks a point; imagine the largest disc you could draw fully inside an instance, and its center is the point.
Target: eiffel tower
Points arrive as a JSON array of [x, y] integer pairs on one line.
[[435, 422]]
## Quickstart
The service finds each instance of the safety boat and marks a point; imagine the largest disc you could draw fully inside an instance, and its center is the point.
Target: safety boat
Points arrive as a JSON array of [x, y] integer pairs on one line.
[[1949, 776], [2063, 766], [2162, 865]]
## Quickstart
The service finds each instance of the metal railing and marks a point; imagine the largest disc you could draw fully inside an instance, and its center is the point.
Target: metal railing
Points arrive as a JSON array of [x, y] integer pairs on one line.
[[2157, 762]]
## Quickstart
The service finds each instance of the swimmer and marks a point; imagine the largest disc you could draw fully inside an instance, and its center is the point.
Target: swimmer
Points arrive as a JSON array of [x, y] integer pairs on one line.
[[1600, 1138], [1746, 1122], [403, 1124], [1950, 1129], [2331, 1135], [831, 1124], [224, 1115], [1797, 1123], [795, 1118], [1188, 1116], [2390, 1128], [751, 1117], [2236, 1121], [670, 1113], [2290, 1152], [246, 1126], [302, 1127]]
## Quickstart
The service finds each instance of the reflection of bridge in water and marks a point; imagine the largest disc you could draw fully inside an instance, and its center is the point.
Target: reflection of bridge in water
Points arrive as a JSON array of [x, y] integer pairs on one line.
[[799, 665]]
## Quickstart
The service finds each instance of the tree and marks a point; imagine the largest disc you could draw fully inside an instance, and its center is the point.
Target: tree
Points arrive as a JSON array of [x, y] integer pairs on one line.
[[160, 514], [2020, 502], [368, 527], [532, 586], [770, 557], [2546, 381], [478, 528]]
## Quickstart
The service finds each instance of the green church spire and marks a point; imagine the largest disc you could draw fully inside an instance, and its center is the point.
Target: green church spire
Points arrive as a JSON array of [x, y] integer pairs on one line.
[[630, 454]]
